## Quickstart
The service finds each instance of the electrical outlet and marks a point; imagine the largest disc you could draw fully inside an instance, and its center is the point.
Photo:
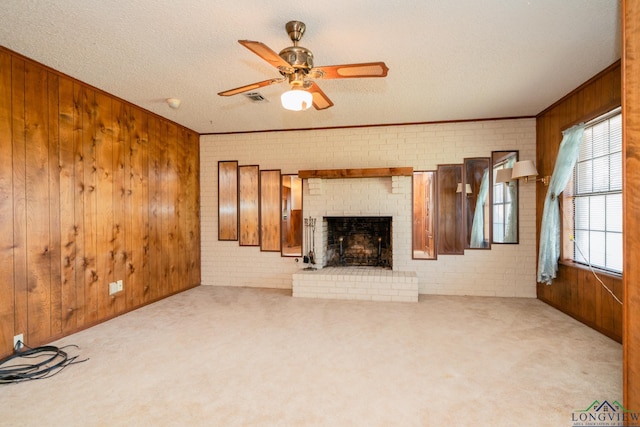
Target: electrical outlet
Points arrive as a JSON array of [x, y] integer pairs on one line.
[[18, 342], [113, 288]]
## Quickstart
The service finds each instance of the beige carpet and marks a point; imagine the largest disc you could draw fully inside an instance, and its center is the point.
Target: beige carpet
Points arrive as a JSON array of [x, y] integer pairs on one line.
[[247, 357]]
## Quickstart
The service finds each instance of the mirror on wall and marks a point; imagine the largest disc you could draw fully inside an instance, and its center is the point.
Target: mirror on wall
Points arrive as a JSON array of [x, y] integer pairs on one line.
[[477, 212], [450, 204], [249, 215], [291, 229], [270, 210], [504, 198], [228, 200], [424, 215]]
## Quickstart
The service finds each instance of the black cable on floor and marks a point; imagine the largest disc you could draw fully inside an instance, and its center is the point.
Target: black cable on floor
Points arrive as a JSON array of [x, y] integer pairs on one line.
[[35, 363]]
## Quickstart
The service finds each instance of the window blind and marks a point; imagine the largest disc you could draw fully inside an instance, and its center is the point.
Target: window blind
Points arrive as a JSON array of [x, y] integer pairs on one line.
[[597, 194]]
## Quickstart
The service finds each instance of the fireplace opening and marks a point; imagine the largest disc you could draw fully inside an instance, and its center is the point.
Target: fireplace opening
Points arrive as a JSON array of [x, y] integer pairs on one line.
[[359, 241]]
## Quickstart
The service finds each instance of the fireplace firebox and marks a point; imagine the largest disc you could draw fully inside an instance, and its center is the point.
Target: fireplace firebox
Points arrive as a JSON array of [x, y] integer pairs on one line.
[[359, 241]]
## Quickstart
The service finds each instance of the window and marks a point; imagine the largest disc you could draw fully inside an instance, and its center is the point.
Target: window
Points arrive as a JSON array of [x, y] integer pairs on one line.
[[595, 196]]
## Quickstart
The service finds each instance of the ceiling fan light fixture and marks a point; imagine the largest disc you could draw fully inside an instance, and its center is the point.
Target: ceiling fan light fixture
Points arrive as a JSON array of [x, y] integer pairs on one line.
[[296, 100]]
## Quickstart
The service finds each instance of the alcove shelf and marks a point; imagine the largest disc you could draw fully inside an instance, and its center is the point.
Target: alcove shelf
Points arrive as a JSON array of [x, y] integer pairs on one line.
[[356, 173]]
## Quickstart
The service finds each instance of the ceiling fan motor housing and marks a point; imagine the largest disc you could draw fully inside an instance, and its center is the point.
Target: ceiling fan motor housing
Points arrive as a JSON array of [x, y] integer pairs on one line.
[[298, 57]]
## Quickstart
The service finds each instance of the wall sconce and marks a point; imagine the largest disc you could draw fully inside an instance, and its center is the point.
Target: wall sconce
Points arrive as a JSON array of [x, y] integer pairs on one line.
[[296, 100], [503, 175], [526, 169], [467, 188]]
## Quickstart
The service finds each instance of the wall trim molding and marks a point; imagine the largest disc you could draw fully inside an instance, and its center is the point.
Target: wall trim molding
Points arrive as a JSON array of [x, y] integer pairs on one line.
[[374, 125]]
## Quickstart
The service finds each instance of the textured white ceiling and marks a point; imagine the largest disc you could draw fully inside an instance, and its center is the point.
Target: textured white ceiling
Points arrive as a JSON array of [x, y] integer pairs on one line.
[[447, 59]]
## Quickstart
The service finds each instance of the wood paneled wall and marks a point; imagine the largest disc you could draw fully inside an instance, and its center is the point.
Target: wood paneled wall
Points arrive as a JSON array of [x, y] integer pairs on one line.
[[92, 190], [575, 291], [631, 153]]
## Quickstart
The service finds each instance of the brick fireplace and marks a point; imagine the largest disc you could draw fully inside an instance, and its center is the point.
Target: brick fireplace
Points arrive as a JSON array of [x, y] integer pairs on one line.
[[372, 197]]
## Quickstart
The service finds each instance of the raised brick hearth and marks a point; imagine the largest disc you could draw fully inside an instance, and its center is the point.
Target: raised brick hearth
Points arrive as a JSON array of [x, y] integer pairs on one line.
[[356, 283]]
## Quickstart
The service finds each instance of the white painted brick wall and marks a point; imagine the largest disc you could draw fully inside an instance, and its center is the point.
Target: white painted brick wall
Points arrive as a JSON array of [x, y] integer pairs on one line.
[[505, 270]]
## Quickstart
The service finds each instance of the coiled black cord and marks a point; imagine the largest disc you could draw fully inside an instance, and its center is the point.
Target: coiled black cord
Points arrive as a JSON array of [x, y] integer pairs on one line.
[[35, 363]]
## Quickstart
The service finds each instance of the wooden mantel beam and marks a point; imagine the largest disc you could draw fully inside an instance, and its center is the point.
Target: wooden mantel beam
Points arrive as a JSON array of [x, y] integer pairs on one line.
[[355, 173]]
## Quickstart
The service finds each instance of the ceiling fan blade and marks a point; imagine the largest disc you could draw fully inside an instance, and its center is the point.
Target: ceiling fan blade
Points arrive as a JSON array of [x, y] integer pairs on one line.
[[264, 52], [249, 87], [345, 71], [320, 100]]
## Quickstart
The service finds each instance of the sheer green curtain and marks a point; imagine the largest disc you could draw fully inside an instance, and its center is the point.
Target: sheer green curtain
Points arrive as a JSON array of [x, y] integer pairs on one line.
[[477, 229], [550, 229]]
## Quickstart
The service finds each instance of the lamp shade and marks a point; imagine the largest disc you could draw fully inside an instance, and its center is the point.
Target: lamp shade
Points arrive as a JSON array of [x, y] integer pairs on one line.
[[296, 100], [503, 175], [524, 168], [467, 188]]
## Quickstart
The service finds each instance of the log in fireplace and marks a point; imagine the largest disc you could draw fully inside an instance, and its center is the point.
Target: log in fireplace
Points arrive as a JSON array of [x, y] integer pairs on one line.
[[359, 241]]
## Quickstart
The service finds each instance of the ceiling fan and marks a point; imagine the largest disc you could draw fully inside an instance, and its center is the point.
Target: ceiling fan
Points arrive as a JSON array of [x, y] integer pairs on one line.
[[295, 63]]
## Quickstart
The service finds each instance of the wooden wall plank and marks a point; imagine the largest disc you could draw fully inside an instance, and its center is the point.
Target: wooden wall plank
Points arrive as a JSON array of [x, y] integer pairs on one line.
[[163, 158], [154, 287], [181, 269], [104, 203], [19, 197], [631, 156], [177, 252], [587, 293], [170, 204], [195, 199], [120, 171], [37, 205], [55, 272], [78, 206], [137, 210], [7, 307], [606, 305], [193, 207], [67, 187], [89, 137], [270, 210]]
